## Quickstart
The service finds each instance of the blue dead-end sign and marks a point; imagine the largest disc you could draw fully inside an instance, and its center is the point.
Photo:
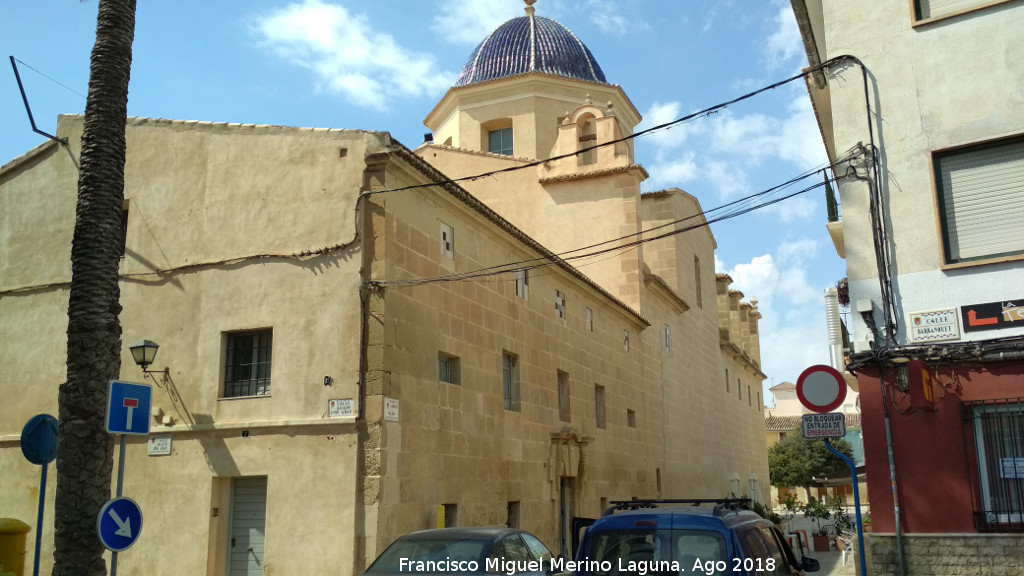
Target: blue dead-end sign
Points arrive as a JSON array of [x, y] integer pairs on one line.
[[119, 524], [39, 439], [128, 405]]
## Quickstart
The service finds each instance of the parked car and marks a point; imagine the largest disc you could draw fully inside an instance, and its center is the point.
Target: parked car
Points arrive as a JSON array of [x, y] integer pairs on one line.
[[470, 550], [677, 537]]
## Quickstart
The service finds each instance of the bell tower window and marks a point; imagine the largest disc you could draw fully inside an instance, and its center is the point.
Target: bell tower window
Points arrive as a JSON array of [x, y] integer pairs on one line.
[[500, 141]]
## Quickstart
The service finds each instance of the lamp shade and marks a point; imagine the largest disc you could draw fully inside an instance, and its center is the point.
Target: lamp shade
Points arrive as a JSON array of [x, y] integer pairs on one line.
[[144, 352]]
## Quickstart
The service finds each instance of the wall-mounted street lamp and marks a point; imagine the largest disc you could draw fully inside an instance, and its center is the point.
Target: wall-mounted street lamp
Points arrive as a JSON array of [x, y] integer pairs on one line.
[[144, 352]]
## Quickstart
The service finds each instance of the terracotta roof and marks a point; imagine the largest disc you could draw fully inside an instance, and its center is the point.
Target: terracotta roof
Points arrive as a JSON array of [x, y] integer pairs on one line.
[[789, 423]]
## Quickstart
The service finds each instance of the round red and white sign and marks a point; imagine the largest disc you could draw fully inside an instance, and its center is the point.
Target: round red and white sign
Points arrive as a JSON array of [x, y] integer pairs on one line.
[[821, 388]]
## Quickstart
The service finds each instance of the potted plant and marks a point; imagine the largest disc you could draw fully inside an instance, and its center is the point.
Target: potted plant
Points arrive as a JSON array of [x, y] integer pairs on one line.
[[817, 511]]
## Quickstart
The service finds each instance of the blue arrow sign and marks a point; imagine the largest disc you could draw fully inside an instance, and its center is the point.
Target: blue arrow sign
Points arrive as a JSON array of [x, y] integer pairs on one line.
[[128, 405], [119, 524]]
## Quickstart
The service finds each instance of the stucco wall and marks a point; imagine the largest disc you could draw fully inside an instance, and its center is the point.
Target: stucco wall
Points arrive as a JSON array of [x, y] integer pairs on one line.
[[931, 87]]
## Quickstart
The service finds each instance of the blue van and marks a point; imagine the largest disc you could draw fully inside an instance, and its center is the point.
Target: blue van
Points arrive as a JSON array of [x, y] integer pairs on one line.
[[679, 537]]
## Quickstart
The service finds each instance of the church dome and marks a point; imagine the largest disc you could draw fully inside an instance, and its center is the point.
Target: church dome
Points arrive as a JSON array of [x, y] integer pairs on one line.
[[531, 44]]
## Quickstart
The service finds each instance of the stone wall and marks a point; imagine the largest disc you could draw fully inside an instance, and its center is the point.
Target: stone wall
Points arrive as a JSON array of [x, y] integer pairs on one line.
[[947, 554]]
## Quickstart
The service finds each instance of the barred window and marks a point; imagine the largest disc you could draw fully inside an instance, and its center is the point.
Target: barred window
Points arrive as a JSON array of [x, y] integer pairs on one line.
[[247, 363], [998, 428]]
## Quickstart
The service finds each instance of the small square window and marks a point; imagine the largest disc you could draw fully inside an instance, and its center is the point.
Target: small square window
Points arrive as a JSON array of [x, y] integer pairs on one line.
[[500, 141], [448, 368], [512, 514], [449, 515], [559, 304], [631, 418], [447, 241], [247, 363]]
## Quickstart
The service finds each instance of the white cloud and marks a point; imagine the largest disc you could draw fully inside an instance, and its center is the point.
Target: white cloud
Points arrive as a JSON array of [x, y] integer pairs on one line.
[[470, 21], [792, 328], [347, 55], [784, 43], [608, 16], [798, 252], [662, 113]]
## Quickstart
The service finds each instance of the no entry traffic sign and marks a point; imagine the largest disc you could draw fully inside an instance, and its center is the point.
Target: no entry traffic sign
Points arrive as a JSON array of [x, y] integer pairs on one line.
[[821, 388]]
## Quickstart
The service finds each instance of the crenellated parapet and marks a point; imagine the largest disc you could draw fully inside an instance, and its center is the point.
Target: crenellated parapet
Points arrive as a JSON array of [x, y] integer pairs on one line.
[[738, 322]]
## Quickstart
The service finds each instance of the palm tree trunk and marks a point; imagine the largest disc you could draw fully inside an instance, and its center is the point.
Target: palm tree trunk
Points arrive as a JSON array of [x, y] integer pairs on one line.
[[84, 449]]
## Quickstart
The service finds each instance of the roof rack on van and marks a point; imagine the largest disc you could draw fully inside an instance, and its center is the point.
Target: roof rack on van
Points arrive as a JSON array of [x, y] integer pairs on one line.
[[722, 505]]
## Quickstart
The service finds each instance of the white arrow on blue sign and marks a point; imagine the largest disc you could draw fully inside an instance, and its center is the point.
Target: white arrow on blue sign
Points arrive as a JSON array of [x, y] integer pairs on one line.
[[128, 405], [119, 524]]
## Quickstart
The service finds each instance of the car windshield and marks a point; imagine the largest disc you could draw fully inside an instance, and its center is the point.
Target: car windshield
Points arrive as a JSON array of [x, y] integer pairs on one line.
[[428, 555], [628, 552]]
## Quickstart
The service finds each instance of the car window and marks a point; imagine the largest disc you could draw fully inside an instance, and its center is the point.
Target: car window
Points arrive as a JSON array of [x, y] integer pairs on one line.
[[629, 552], [418, 555], [781, 563], [537, 548], [512, 548]]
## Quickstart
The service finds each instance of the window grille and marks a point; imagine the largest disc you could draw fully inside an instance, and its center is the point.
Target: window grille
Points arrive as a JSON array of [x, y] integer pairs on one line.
[[998, 438], [559, 304], [523, 284], [247, 363]]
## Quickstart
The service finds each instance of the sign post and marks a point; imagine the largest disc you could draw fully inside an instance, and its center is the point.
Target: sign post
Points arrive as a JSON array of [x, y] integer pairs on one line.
[[39, 445], [120, 519], [822, 389]]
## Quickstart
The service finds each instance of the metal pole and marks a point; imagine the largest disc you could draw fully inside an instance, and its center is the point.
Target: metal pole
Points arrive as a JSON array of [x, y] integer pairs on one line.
[[856, 503], [39, 519], [120, 486]]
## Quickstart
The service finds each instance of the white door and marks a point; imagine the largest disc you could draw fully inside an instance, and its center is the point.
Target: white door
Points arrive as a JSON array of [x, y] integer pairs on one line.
[[248, 520]]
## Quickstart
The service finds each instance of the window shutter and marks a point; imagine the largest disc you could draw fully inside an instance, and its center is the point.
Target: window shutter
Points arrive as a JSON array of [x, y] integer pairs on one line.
[[936, 8], [983, 201]]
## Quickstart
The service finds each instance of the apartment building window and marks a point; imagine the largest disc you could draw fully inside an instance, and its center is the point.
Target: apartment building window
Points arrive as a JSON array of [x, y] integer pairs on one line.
[[981, 200], [589, 315], [560, 304], [998, 427], [447, 241], [928, 9], [510, 381], [500, 141], [247, 363], [448, 368], [750, 400], [599, 406], [759, 404], [668, 339], [631, 418], [523, 284], [564, 412], [726, 380], [739, 388], [625, 340]]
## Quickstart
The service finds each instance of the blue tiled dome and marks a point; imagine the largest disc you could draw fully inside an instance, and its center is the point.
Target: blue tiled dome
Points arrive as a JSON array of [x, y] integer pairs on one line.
[[531, 44]]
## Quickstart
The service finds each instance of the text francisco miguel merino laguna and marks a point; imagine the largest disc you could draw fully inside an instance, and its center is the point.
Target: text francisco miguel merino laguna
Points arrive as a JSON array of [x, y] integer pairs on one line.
[[512, 567]]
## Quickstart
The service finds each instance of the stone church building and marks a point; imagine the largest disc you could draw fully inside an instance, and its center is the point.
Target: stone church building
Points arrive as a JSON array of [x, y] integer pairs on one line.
[[360, 342]]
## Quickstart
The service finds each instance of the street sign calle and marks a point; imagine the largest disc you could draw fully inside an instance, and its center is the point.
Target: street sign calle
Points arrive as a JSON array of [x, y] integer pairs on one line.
[[831, 425], [128, 405]]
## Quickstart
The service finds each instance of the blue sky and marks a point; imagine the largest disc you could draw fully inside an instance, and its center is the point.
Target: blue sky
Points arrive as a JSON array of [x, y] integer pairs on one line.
[[383, 65]]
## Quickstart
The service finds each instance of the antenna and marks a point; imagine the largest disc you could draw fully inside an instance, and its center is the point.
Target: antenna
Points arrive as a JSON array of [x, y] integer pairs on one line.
[[28, 109]]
